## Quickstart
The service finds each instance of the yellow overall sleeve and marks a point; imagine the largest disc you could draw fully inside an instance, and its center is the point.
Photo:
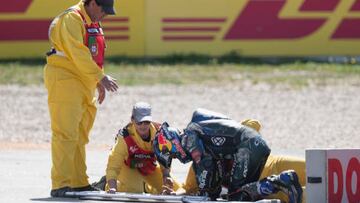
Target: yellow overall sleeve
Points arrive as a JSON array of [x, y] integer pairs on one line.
[[116, 159], [190, 185], [252, 123]]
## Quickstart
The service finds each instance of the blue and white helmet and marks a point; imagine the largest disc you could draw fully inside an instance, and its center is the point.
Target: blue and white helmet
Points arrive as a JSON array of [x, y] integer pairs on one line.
[[167, 145]]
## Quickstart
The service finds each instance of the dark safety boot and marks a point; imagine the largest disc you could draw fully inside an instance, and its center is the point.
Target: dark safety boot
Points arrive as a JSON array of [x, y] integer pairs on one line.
[[85, 188], [100, 184], [60, 192]]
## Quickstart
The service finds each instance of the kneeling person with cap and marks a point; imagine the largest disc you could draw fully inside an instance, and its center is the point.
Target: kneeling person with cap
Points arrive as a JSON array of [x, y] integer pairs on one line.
[[132, 162]]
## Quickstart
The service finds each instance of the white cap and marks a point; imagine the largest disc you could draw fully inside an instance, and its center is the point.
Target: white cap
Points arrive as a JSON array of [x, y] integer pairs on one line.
[[141, 112]]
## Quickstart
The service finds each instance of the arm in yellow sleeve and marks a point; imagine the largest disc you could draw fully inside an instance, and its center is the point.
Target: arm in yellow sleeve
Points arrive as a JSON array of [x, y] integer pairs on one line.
[[72, 32], [190, 186], [116, 159]]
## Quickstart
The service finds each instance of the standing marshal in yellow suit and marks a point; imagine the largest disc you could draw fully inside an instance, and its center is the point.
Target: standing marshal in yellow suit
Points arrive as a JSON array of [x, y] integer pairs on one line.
[[73, 72]]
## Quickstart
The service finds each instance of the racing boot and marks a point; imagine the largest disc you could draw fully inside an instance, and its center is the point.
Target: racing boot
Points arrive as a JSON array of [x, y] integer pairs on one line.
[[287, 182]]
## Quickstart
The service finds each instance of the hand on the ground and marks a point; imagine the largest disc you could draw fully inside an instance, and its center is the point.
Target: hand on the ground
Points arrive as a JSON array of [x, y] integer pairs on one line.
[[112, 186], [180, 191], [102, 93], [109, 83], [167, 191], [168, 186], [112, 191]]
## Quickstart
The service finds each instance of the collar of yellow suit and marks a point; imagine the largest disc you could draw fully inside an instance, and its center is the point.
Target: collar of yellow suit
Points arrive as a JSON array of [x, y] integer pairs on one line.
[[83, 12]]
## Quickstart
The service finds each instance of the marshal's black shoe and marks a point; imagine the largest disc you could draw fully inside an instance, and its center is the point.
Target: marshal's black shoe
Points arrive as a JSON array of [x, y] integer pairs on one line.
[[100, 184], [60, 192], [85, 188]]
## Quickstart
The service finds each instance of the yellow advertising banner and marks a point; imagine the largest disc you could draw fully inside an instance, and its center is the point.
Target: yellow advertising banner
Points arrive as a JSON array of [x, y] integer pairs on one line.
[[25, 26], [214, 27], [254, 27]]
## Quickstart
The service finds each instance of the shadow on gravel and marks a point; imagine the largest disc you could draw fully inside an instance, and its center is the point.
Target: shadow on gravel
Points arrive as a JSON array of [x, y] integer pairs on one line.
[[51, 199]]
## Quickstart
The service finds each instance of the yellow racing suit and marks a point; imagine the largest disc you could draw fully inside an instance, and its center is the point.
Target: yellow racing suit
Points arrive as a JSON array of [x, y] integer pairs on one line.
[[130, 179], [71, 76]]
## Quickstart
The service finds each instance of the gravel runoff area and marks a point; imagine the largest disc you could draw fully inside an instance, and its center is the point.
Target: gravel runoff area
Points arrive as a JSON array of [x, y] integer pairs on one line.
[[311, 117]]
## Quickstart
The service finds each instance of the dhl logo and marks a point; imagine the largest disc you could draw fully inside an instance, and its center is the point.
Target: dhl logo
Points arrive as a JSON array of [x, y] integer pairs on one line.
[[37, 29], [117, 28], [192, 25], [258, 20]]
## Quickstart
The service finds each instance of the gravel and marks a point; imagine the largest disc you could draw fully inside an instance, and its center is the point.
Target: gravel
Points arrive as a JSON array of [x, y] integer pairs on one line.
[[310, 117]]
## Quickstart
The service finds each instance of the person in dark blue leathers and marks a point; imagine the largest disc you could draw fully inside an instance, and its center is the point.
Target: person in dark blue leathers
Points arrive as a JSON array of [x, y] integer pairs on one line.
[[224, 153]]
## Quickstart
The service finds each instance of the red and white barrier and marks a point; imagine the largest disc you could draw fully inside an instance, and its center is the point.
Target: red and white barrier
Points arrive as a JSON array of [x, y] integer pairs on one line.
[[333, 175]]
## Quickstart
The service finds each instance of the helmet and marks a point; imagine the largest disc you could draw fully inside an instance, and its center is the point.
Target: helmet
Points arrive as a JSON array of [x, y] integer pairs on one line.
[[167, 145]]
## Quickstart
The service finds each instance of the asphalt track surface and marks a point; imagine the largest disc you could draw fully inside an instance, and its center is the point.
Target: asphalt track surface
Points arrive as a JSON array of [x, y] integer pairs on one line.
[[25, 173]]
